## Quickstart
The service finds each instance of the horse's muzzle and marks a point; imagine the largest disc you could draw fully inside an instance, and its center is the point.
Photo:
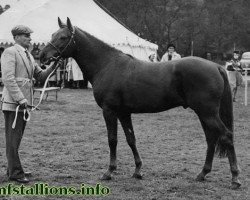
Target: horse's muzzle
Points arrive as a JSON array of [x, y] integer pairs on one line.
[[47, 61]]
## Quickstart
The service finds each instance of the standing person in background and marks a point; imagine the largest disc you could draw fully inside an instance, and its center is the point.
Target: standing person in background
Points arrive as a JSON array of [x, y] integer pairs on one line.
[[234, 73], [74, 72], [1, 51], [18, 70], [170, 54]]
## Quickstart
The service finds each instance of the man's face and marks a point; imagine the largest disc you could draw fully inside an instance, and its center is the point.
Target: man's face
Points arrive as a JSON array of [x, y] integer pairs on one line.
[[236, 56], [171, 50], [23, 40]]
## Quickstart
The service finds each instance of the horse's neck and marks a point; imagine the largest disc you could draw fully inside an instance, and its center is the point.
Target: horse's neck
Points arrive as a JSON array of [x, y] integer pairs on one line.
[[92, 56]]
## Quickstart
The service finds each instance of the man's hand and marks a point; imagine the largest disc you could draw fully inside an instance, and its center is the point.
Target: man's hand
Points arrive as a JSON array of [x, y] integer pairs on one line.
[[57, 63], [60, 61], [23, 104]]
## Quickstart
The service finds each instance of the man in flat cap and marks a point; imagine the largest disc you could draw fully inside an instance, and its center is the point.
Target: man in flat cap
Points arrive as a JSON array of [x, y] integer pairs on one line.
[[18, 70], [170, 54]]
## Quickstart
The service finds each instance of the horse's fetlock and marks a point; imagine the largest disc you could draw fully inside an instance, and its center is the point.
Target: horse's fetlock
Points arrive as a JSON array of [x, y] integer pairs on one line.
[[235, 171], [112, 167], [138, 163], [207, 170]]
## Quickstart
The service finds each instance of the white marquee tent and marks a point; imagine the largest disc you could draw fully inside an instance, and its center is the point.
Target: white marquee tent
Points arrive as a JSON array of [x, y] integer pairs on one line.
[[41, 16]]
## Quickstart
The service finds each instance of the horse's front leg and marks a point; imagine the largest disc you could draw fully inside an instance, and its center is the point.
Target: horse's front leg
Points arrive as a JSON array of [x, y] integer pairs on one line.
[[127, 126], [111, 123]]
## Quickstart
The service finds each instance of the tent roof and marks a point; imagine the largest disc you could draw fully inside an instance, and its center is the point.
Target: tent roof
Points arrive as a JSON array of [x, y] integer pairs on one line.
[[41, 16]]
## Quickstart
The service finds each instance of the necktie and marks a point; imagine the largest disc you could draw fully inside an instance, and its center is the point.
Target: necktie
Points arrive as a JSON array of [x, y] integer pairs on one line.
[[30, 62], [169, 57], [28, 56]]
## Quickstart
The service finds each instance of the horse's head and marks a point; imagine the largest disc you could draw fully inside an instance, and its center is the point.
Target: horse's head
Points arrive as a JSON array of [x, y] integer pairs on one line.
[[62, 43]]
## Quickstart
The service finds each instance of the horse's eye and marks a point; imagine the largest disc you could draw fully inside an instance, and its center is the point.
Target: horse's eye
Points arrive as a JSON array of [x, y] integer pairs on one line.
[[63, 38]]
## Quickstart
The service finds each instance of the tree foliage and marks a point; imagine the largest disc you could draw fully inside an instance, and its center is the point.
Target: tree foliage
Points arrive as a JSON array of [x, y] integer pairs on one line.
[[210, 25], [2, 9]]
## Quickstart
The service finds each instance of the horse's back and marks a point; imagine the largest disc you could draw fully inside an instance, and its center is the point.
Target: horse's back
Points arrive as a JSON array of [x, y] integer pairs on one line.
[[189, 82], [140, 86]]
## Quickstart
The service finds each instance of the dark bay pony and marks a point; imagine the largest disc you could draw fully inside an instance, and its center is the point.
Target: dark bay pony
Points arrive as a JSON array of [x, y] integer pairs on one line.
[[123, 85]]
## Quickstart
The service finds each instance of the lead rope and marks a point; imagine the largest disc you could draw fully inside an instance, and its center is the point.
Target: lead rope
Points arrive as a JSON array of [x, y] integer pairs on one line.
[[44, 87], [28, 112], [25, 111]]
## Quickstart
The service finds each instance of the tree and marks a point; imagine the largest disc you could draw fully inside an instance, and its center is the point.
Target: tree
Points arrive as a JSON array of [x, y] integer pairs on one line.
[[227, 24], [1, 10], [6, 7], [212, 26]]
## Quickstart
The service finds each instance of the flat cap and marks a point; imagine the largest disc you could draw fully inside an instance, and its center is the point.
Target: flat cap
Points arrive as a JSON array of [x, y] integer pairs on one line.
[[21, 29]]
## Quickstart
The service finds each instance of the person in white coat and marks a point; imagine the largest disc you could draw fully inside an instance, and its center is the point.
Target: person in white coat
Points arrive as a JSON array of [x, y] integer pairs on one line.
[[170, 54]]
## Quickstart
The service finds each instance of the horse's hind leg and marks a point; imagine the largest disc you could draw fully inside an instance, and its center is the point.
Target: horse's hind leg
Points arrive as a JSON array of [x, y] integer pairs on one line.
[[111, 123], [234, 167], [127, 126], [211, 142], [218, 134]]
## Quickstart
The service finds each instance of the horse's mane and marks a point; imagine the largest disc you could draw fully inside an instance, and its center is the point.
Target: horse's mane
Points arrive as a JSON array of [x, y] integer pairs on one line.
[[103, 45], [99, 43]]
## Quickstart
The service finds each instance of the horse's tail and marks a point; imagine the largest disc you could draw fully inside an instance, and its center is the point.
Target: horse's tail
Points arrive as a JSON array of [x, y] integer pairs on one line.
[[225, 141]]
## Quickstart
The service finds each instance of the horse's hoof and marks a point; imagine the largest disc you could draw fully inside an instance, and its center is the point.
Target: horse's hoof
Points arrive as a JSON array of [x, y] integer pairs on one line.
[[236, 185], [137, 176], [106, 177], [200, 178]]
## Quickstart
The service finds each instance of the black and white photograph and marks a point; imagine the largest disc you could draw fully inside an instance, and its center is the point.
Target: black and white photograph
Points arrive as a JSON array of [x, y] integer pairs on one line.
[[125, 99]]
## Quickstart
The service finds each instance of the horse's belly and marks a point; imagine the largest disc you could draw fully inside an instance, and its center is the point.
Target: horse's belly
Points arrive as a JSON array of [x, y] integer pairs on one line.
[[150, 109], [151, 104]]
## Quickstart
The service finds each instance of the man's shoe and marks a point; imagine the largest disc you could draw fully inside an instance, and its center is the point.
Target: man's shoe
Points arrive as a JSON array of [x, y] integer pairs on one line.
[[28, 174], [20, 180]]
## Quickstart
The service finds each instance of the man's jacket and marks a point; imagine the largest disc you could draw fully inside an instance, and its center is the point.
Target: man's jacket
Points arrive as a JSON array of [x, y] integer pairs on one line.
[[175, 56], [17, 74]]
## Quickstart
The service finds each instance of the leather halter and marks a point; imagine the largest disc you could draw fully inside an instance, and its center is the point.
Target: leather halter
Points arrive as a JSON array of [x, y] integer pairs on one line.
[[70, 41]]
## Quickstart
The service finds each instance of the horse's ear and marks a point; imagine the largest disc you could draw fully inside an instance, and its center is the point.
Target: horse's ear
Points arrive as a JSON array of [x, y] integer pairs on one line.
[[69, 25], [61, 25]]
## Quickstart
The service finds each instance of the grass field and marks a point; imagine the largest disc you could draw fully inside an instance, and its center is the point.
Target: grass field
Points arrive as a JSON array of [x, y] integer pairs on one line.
[[66, 143]]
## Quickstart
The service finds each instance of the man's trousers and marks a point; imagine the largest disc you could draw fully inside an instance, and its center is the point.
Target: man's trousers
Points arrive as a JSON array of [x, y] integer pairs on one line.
[[13, 140]]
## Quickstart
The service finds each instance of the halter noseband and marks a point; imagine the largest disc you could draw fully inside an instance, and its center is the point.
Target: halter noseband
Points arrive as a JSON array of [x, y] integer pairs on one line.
[[71, 39]]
